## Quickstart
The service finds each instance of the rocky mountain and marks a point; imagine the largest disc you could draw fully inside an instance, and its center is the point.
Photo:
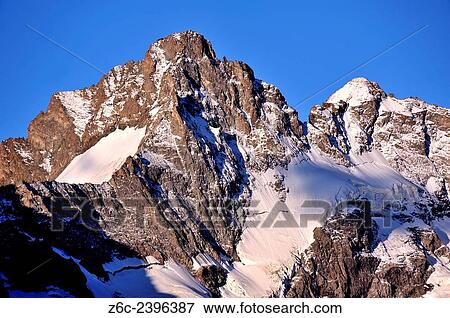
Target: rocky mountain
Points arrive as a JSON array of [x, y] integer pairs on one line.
[[411, 135], [184, 175]]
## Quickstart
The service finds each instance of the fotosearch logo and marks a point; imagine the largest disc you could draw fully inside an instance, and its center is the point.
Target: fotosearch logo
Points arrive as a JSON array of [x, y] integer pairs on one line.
[[101, 213]]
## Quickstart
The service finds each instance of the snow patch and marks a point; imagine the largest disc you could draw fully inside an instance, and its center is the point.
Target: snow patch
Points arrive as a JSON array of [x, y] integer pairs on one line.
[[202, 260], [24, 153], [98, 164], [5, 204], [78, 108], [434, 185], [46, 162], [162, 64], [118, 264]]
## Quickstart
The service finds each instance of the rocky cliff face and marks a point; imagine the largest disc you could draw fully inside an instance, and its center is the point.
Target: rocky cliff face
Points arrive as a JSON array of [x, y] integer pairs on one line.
[[178, 87], [180, 204]]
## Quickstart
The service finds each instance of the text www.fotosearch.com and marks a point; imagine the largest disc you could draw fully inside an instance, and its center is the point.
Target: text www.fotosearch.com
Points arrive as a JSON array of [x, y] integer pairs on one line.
[[254, 308]]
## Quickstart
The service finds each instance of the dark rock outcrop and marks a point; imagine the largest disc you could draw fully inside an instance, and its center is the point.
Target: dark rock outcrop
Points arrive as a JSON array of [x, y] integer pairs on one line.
[[340, 263], [212, 277]]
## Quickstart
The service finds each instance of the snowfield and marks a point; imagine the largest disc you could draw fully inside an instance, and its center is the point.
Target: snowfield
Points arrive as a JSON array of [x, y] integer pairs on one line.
[[136, 278], [98, 164]]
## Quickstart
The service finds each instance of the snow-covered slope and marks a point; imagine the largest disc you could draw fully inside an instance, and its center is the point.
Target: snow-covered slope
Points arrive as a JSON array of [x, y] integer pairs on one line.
[[134, 277], [98, 164], [267, 251]]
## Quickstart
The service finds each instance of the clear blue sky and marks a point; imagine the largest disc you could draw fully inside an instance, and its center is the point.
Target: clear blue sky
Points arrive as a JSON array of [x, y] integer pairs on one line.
[[301, 46]]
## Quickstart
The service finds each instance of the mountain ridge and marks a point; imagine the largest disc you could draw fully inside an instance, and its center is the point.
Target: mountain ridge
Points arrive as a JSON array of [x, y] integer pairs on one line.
[[71, 112], [43, 145]]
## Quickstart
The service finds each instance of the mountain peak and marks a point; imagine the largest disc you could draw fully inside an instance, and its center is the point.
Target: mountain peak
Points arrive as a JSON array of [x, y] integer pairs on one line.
[[361, 79], [188, 43], [356, 92]]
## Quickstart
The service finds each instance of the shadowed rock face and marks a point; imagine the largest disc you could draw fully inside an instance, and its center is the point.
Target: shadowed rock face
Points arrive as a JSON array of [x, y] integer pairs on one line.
[[30, 261], [210, 125], [334, 265]]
